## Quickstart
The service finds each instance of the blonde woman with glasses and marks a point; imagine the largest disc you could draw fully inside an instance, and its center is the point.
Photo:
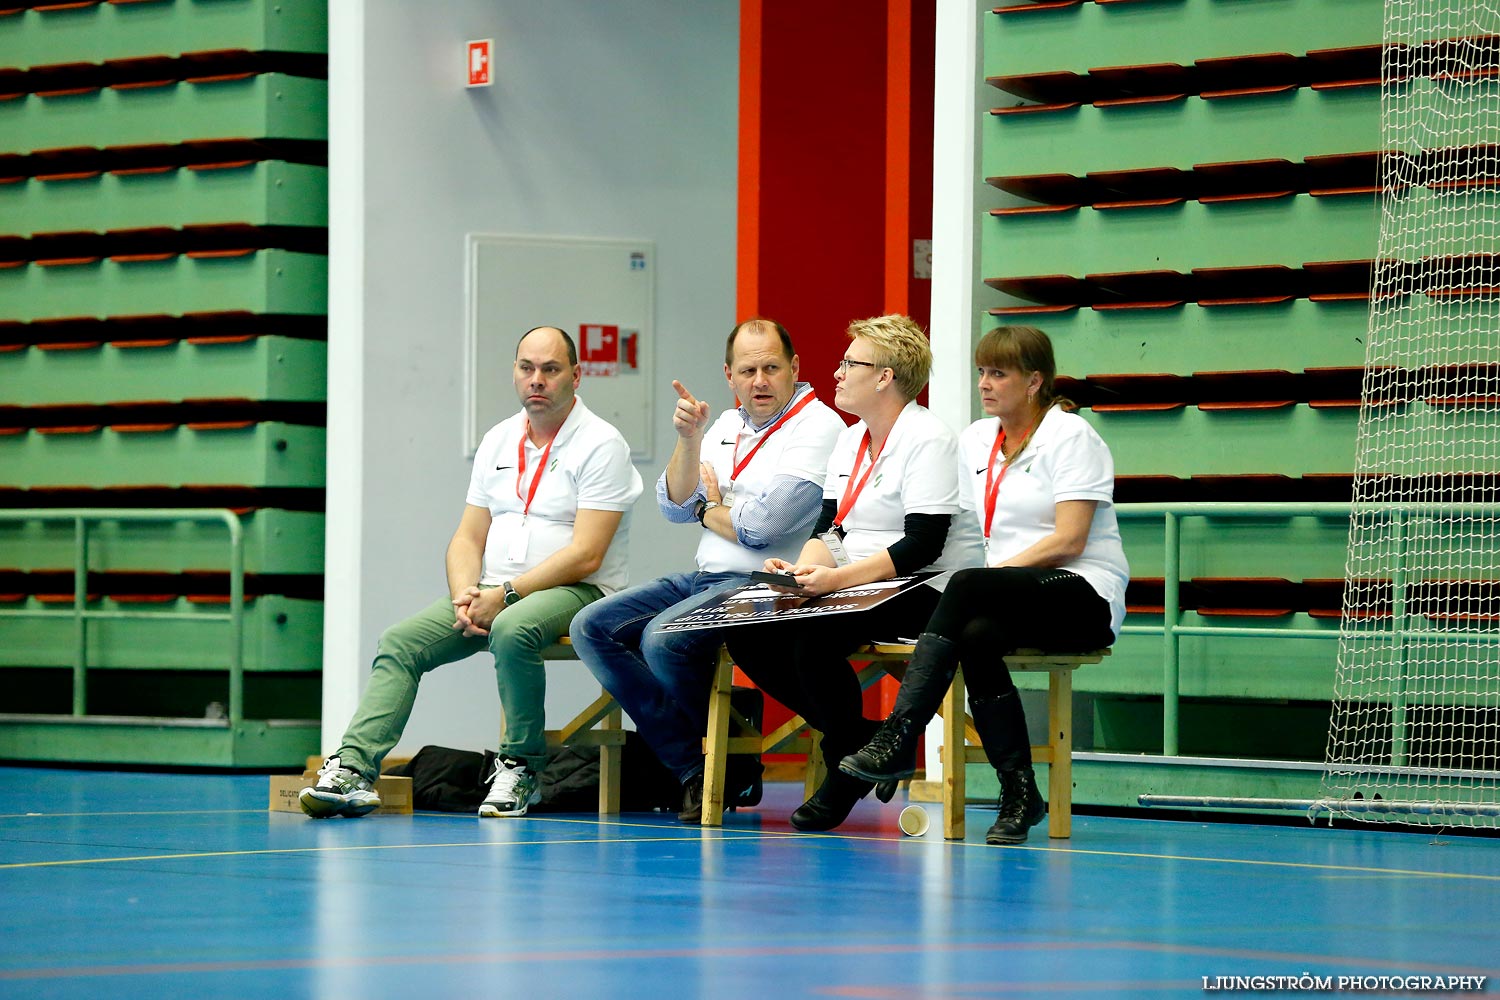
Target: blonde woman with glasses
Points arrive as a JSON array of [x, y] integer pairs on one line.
[[1041, 487], [890, 500]]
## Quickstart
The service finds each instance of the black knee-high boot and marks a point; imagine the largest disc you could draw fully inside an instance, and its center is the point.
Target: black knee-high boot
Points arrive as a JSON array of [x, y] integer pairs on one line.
[[891, 753], [1000, 722]]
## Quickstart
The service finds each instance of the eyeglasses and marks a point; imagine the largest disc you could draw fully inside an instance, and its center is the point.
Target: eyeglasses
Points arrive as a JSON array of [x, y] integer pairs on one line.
[[845, 363]]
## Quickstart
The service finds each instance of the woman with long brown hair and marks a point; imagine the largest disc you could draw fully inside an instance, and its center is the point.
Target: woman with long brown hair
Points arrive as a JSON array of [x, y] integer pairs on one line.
[[1043, 491]]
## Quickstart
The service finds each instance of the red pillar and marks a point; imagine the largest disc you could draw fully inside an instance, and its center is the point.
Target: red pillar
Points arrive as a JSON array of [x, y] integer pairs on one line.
[[835, 173], [835, 167]]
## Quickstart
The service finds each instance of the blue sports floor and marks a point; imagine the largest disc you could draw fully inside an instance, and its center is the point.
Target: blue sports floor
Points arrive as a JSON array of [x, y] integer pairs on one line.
[[149, 885]]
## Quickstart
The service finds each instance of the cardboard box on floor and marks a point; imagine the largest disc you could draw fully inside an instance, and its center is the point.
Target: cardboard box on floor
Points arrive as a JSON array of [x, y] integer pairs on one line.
[[395, 793]]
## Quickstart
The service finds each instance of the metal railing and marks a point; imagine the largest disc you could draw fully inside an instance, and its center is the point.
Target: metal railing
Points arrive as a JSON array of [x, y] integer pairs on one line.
[[81, 614], [1172, 630]]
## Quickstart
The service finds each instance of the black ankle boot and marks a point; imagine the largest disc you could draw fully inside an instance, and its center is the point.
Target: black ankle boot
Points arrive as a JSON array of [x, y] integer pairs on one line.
[[1021, 808], [890, 755], [831, 803]]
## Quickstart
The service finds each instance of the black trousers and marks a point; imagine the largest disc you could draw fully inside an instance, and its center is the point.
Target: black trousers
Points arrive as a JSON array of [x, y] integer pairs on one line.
[[804, 663], [988, 613]]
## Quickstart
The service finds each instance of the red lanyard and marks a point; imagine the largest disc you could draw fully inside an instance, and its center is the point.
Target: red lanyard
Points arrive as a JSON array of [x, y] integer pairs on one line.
[[852, 489], [740, 463], [521, 466], [542, 467], [992, 482]]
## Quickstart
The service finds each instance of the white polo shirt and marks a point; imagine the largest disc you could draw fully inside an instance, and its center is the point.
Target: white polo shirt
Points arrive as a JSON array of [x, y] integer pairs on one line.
[[798, 448], [916, 473], [589, 467], [1065, 459]]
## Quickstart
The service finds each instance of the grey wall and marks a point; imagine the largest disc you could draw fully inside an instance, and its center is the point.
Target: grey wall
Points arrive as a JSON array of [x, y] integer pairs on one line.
[[605, 119]]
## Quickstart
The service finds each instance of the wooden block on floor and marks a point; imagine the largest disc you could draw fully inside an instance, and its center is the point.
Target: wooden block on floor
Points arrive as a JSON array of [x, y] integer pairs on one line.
[[395, 793], [924, 791]]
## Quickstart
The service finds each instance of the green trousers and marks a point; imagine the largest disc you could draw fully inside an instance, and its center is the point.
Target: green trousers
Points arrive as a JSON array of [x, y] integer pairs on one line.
[[427, 640]]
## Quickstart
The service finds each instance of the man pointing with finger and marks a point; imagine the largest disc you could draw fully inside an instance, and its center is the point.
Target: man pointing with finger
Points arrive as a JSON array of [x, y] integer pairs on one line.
[[752, 481]]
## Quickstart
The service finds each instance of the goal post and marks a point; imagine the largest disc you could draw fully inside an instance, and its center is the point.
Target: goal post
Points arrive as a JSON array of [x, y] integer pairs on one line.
[[1414, 734]]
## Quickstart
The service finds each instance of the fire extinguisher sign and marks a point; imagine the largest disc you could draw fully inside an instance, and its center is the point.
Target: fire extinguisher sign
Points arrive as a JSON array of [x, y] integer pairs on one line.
[[608, 350], [480, 59]]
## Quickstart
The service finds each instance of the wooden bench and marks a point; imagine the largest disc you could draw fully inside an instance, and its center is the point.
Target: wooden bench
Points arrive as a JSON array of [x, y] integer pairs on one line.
[[958, 732], [600, 725]]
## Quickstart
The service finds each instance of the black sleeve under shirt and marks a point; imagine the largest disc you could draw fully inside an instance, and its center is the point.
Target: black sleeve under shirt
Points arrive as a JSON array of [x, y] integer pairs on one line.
[[825, 517], [922, 543], [917, 548]]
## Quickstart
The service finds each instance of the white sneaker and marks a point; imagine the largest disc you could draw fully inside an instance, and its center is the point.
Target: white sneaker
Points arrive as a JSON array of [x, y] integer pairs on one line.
[[513, 789], [339, 791]]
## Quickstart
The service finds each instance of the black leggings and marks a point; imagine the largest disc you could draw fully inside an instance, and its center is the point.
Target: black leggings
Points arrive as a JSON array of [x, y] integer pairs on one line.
[[991, 612], [804, 664]]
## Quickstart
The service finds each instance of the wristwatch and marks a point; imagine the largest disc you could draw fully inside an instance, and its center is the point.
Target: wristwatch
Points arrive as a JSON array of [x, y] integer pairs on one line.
[[511, 596], [703, 508]]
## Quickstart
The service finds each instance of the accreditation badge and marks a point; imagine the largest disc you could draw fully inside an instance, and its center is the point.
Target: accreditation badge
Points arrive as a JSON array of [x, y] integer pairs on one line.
[[519, 538], [835, 544]]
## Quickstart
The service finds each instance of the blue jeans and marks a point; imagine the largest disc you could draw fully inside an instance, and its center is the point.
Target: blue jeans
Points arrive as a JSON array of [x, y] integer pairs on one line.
[[661, 680]]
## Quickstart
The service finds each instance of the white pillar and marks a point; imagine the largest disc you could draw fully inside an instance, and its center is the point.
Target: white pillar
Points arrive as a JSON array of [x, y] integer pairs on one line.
[[955, 175], [344, 522]]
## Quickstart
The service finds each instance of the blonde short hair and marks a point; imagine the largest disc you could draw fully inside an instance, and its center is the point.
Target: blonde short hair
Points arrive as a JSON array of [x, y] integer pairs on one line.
[[901, 346]]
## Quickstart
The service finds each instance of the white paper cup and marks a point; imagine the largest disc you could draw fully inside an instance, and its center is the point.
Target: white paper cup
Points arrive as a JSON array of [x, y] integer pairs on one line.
[[914, 821]]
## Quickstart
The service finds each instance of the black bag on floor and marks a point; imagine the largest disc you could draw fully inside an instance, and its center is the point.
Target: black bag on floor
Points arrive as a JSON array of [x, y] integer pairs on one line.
[[571, 781], [448, 780]]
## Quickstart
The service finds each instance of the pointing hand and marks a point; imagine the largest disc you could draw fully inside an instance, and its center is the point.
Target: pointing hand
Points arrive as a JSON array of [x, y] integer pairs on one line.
[[691, 414]]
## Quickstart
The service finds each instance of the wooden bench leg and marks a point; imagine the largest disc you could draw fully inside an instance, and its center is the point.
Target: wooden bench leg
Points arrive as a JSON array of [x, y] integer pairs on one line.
[[954, 757], [610, 759], [716, 748], [1060, 738], [817, 767]]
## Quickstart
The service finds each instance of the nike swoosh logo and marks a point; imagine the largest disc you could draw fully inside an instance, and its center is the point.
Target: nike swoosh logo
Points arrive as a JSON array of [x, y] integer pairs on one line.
[[501, 468], [978, 471], [726, 442]]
